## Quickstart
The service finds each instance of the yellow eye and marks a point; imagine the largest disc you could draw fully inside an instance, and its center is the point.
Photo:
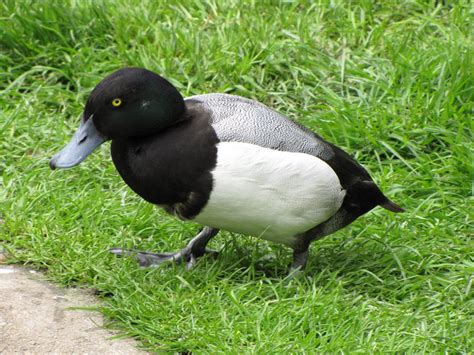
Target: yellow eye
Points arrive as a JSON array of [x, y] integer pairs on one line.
[[116, 102]]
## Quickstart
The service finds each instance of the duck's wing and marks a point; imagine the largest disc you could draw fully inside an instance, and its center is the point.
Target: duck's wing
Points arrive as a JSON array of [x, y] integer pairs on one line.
[[237, 119]]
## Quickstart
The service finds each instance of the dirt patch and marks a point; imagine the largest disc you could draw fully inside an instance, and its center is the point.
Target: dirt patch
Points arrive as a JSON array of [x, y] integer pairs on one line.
[[35, 318]]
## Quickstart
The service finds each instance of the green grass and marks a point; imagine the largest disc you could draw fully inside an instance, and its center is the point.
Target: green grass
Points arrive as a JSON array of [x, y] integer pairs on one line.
[[390, 82]]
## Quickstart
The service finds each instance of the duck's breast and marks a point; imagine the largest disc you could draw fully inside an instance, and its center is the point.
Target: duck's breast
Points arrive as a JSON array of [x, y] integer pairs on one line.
[[272, 194]]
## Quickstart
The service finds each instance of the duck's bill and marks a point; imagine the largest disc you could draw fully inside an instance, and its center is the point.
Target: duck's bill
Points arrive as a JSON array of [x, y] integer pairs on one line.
[[83, 143]]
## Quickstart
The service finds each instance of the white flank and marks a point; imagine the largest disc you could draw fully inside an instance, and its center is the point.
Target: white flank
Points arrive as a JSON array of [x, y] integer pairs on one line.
[[270, 194]]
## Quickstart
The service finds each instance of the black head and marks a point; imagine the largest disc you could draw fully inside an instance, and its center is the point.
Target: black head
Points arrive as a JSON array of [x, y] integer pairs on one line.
[[133, 102]]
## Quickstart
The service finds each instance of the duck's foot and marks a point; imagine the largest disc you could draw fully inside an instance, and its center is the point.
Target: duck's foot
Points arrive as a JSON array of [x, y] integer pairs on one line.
[[146, 259], [189, 254]]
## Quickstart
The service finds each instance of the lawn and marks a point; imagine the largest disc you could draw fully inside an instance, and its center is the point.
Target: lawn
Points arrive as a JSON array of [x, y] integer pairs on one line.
[[390, 82]]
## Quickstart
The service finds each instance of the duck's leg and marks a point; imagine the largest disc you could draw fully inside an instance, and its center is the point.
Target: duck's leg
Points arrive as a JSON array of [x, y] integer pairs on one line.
[[300, 258], [195, 248]]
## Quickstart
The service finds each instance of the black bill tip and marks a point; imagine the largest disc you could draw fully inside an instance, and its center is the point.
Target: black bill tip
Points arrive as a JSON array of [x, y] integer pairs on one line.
[[52, 164]]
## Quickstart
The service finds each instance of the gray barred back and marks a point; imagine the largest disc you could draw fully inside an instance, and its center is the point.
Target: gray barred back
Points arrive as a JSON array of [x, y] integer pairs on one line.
[[237, 119]]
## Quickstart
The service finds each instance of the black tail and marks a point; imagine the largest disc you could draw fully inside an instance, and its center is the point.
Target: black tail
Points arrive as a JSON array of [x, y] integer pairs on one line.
[[391, 206], [365, 195]]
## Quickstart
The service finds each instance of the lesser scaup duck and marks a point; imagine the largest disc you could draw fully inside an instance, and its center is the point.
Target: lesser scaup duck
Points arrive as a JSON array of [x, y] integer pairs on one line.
[[223, 161]]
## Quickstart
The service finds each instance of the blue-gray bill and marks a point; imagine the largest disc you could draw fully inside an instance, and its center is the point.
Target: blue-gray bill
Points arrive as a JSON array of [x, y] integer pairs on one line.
[[84, 141]]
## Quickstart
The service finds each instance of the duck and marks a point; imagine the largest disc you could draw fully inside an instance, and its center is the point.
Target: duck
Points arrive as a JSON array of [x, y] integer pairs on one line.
[[223, 161]]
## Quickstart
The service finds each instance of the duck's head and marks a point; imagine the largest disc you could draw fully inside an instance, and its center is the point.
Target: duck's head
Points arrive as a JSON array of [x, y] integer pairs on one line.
[[132, 102]]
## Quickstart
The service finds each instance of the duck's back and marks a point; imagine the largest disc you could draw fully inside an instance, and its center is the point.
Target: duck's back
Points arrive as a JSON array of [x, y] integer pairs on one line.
[[237, 119]]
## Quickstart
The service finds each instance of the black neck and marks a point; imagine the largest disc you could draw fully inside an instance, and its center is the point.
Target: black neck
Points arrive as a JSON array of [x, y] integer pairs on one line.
[[173, 166]]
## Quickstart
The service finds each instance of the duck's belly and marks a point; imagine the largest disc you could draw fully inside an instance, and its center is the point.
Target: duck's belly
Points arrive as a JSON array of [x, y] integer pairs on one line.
[[270, 194]]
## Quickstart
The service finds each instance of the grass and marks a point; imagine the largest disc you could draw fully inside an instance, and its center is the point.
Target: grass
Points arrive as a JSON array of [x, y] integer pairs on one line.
[[390, 82]]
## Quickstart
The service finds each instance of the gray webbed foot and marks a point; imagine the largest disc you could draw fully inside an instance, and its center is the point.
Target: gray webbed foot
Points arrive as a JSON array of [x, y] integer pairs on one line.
[[189, 254], [147, 259]]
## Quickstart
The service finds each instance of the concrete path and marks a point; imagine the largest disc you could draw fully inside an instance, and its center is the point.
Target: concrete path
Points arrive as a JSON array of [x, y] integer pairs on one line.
[[34, 318]]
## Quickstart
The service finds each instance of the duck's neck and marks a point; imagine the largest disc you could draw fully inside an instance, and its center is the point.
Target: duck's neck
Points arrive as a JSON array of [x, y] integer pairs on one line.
[[171, 167]]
